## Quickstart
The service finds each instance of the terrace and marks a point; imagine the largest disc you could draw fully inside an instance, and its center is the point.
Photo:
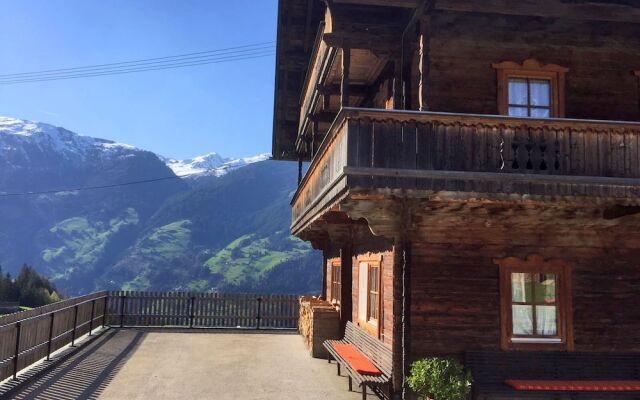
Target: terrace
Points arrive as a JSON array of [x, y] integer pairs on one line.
[[163, 345]]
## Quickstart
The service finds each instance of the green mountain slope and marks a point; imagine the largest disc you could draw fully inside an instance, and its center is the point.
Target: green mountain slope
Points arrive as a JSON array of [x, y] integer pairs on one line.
[[230, 234]]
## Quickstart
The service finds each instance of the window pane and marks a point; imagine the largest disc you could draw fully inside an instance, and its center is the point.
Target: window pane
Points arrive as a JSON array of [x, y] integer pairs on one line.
[[546, 323], [518, 91], [522, 317], [518, 112], [540, 113], [540, 93], [521, 288], [545, 288]]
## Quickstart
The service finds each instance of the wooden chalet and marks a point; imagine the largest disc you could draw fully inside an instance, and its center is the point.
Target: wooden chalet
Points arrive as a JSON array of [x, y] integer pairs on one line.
[[474, 180]]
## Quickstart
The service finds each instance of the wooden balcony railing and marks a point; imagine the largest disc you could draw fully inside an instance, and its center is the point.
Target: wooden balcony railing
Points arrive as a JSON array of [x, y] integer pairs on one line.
[[370, 148]]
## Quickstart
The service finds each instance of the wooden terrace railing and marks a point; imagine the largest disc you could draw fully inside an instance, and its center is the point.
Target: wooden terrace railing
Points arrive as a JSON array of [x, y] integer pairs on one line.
[[373, 148], [29, 336], [203, 310]]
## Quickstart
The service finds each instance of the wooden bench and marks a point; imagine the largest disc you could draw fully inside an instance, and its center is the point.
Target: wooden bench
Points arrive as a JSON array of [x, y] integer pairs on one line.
[[492, 369], [376, 351]]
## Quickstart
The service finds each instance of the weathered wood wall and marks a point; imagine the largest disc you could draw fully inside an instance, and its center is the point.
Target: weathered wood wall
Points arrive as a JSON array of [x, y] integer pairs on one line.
[[601, 57], [455, 300], [367, 251]]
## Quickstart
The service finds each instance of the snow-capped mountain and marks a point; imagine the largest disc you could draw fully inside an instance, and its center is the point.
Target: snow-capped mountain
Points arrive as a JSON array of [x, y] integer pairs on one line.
[[20, 139], [24, 141], [91, 214], [211, 164]]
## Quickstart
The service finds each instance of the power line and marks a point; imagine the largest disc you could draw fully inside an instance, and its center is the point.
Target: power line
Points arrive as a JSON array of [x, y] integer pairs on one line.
[[86, 188], [227, 59], [141, 64], [249, 46], [229, 54]]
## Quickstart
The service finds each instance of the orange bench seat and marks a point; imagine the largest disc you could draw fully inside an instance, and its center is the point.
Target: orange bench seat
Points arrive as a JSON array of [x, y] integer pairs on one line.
[[356, 360], [574, 386]]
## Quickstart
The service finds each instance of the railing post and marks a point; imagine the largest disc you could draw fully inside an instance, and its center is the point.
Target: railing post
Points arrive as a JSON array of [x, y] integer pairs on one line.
[[122, 305], [93, 310], [104, 310], [259, 317], [17, 352], [191, 311], [75, 324], [53, 316]]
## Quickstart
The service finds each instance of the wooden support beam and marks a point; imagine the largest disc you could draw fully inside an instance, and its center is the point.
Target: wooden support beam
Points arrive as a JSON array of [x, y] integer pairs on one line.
[[324, 116], [423, 64], [323, 292], [346, 276], [385, 3], [397, 84], [401, 250], [586, 10], [344, 84], [314, 135], [335, 90]]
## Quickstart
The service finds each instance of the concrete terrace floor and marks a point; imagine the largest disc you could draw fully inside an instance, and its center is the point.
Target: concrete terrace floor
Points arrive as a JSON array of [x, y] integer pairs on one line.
[[142, 364]]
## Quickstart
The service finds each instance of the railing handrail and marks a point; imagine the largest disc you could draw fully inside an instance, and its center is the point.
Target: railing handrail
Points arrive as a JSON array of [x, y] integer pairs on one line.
[[56, 307], [453, 118]]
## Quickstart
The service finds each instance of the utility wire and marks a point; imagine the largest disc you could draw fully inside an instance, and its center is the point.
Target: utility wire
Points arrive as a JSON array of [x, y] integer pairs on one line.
[[180, 61], [86, 188], [139, 64], [249, 46], [144, 69]]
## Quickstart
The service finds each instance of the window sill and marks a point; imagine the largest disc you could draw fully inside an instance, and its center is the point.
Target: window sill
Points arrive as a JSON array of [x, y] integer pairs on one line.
[[536, 341]]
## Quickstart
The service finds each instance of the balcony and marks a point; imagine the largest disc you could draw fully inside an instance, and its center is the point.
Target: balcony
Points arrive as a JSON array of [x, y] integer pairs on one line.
[[417, 154]]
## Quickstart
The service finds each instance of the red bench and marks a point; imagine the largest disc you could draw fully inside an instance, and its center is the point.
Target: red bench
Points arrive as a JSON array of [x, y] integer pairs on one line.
[[366, 360], [574, 386]]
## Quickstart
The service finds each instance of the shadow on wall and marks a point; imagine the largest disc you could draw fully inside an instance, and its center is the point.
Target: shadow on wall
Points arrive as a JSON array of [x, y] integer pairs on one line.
[[86, 374]]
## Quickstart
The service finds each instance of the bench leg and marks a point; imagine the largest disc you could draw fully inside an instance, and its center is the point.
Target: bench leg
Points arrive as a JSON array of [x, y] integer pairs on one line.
[[364, 392], [350, 384], [338, 368]]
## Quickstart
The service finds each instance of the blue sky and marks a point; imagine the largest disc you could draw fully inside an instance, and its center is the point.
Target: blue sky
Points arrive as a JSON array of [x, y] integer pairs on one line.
[[179, 113]]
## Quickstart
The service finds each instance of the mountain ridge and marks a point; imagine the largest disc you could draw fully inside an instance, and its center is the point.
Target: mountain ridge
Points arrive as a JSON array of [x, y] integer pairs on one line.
[[227, 232]]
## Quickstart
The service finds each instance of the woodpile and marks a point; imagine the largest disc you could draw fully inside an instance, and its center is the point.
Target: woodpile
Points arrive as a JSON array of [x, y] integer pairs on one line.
[[319, 321]]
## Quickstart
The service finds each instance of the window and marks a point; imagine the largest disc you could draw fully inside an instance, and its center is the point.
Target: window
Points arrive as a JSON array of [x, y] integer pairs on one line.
[[531, 89], [373, 313], [534, 311], [336, 286], [529, 97], [536, 303], [369, 296]]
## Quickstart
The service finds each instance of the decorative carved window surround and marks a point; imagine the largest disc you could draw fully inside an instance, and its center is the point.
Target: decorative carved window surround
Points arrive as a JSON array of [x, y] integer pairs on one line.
[[532, 68], [535, 263]]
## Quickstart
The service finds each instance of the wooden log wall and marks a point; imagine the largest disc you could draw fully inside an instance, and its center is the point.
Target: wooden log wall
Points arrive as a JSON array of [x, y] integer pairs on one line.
[[202, 310], [30, 336], [455, 294], [600, 56]]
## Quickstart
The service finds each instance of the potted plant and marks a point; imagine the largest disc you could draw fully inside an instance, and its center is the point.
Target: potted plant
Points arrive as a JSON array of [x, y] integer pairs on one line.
[[438, 378]]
